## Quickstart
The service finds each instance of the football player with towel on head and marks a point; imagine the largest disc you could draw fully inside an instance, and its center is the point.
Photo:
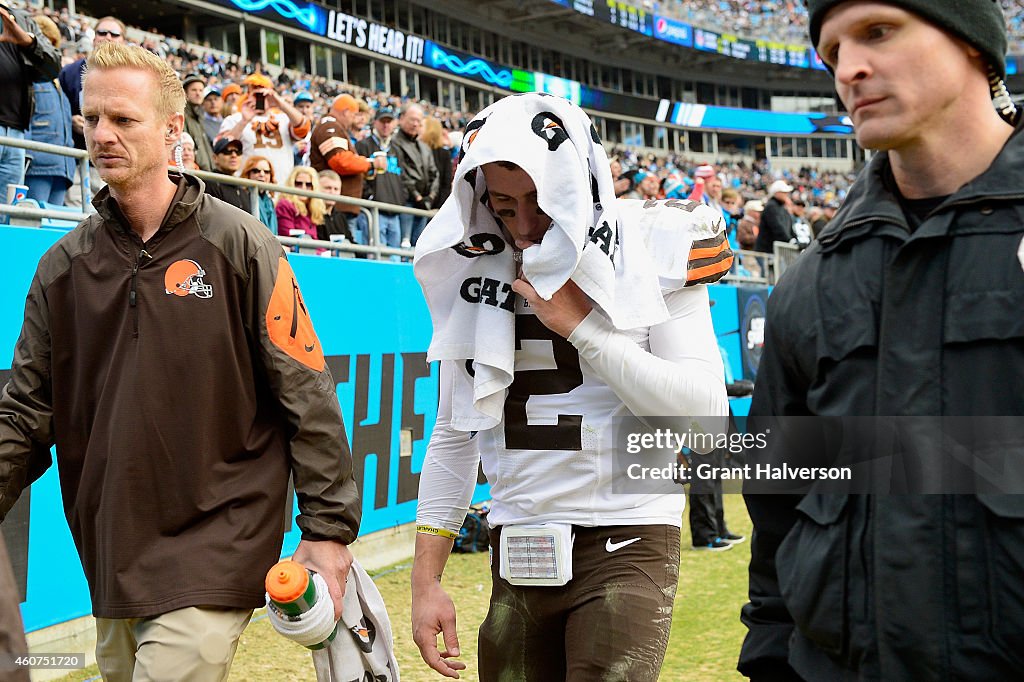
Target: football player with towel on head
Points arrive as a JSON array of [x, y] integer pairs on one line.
[[557, 309]]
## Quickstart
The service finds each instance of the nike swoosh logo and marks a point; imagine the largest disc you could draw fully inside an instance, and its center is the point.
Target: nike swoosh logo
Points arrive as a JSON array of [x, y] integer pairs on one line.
[[610, 546]]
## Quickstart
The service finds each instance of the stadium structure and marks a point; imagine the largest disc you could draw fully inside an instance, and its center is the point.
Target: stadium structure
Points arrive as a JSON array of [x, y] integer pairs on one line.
[[651, 81]]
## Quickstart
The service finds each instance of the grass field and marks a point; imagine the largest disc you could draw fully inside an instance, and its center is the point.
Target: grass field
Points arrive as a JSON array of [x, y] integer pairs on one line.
[[706, 632]]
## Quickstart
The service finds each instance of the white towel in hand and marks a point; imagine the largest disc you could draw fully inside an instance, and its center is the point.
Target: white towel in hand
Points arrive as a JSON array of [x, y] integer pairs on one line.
[[363, 647], [466, 267]]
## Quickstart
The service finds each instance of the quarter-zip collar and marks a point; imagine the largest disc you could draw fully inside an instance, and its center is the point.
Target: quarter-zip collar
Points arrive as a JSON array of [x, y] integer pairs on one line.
[[188, 196], [872, 209]]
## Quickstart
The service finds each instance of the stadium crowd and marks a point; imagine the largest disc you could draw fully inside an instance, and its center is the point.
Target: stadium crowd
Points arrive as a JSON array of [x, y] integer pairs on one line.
[[321, 134], [784, 20]]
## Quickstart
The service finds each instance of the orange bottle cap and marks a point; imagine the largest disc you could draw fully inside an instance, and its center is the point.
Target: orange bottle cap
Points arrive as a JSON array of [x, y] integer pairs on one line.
[[287, 581]]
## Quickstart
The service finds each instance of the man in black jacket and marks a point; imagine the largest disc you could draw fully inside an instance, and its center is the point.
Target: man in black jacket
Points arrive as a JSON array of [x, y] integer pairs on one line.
[[385, 185], [26, 57], [419, 172], [227, 159], [902, 308], [776, 221]]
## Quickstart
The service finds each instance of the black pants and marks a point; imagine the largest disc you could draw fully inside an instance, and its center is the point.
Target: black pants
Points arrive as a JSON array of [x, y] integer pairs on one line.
[[707, 514]]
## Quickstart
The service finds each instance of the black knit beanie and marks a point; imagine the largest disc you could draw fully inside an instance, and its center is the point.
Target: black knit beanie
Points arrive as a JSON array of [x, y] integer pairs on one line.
[[979, 22]]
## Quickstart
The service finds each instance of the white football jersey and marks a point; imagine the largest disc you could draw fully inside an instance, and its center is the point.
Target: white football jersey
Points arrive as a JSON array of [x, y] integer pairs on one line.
[[268, 135], [551, 457]]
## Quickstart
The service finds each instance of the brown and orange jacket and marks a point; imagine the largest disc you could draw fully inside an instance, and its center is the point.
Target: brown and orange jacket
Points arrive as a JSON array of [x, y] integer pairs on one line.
[[331, 146], [182, 382]]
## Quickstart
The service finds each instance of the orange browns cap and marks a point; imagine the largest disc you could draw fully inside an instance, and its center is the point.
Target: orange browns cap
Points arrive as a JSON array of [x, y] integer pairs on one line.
[[232, 89], [287, 581], [258, 80], [345, 102]]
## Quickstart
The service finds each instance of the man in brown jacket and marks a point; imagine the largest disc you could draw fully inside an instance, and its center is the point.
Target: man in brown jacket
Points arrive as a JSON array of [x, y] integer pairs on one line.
[[168, 353], [332, 147]]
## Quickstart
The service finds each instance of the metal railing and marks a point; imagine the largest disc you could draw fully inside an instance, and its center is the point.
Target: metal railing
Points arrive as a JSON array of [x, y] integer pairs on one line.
[[770, 266], [371, 208], [80, 154]]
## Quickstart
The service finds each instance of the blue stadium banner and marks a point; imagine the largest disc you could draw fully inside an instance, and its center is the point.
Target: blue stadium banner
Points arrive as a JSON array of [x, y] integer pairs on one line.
[[340, 27], [673, 31]]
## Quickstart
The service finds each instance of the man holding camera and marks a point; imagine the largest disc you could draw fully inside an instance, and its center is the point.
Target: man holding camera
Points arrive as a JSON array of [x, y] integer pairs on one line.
[[267, 124], [332, 147]]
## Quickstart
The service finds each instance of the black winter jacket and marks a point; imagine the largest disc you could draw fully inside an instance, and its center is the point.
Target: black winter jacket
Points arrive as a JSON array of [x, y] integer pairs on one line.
[[21, 67], [776, 226], [874, 320], [419, 174]]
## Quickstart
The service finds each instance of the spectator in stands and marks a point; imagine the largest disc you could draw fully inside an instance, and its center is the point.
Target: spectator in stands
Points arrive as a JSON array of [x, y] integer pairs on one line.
[[297, 213], [383, 185], [258, 168], [335, 222], [108, 30], [26, 57], [828, 212], [746, 237], [48, 176], [625, 186], [361, 126], [753, 209], [436, 138], [776, 221], [903, 308], [801, 227], [332, 146], [732, 210], [227, 159], [701, 175], [211, 115], [195, 90], [193, 496], [648, 185], [63, 21], [305, 104], [229, 95], [419, 173], [267, 124]]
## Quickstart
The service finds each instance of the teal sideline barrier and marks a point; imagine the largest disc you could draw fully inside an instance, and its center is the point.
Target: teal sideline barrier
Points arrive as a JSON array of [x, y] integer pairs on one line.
[[375, 329]]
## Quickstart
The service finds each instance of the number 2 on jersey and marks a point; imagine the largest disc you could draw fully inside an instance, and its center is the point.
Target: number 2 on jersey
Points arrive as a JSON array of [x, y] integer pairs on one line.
[[567, 375]]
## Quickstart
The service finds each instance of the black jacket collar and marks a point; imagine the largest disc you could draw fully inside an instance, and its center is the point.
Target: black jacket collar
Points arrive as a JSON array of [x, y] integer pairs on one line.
[[872, 201]]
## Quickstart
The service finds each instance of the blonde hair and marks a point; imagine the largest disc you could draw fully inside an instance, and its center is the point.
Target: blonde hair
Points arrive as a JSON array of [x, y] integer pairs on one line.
[[48, 29], [432, 133], [170, 96], [317, 208]]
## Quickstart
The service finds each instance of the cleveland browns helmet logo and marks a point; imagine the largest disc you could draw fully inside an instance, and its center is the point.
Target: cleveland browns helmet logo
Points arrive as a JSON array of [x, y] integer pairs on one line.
[[185, 277]]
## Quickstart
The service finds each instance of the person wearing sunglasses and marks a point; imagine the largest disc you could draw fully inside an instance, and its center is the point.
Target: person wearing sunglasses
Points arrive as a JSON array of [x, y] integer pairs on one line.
[[108, 30], [227, 159], [258, 168], [296, 212]]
